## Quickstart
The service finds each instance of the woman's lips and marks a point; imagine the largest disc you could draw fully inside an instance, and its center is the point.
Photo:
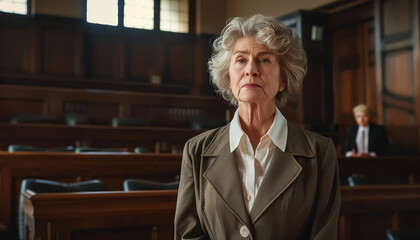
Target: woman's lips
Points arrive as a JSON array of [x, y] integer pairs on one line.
[[251, 85]]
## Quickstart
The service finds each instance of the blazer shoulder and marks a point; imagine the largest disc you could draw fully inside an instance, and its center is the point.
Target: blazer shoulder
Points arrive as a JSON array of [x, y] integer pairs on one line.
[[313, 137], [302, 140], [206, 138], [377, 126]]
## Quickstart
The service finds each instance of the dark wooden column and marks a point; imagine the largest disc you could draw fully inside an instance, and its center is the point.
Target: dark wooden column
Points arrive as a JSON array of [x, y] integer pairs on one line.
[[315, 105]]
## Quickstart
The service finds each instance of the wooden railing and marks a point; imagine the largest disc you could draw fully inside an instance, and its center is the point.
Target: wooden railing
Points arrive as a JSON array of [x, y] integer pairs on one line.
[[104, 215], [366, 212], [112, 170]]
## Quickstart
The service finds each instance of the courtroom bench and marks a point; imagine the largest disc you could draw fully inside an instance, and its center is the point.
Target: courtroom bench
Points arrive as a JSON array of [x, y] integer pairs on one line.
[[100, 215], [111, 169], [366, 212], [393, 167]]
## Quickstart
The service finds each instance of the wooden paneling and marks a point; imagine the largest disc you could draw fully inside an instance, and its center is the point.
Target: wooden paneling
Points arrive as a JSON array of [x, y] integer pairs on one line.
[[10, 107], [102, 56], [398, 73], [13, 49], [143, 59], [180, 55], [397, 57], [64, 52], [59, 51], [353, 76], [397, 116], [397, 10], [14, 44]]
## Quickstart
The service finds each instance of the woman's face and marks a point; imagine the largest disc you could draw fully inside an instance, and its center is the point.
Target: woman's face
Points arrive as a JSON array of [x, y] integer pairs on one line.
[[254, 72], [362, 119]]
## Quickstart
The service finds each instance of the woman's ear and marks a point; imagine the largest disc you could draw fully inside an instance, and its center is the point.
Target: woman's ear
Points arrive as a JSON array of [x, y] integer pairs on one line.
[[282, 85]]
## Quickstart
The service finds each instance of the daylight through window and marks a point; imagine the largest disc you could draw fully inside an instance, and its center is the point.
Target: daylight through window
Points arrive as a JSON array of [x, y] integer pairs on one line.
[[14, 6], [102, 12]]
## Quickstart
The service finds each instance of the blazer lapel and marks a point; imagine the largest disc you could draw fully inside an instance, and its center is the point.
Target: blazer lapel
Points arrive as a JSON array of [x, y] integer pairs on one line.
[[283, 171], [224, 176]]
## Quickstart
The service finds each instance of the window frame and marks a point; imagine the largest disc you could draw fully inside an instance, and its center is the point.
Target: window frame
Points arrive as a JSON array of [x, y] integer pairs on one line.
[[156, 19]]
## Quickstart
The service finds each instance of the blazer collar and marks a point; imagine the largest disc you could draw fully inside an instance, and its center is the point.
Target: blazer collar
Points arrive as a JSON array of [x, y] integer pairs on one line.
[[223, 173]]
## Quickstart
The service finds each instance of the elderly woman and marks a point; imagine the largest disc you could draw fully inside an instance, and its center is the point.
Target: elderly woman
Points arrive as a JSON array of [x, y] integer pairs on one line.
[[259, 177]]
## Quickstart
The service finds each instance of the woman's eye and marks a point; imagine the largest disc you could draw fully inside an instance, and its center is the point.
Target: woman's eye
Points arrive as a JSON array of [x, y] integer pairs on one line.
[[240, 60], [264, 60]]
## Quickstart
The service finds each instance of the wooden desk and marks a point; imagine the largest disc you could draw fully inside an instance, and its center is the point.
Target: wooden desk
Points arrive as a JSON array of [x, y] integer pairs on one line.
[[402, 167], [103, 215], [367, 211], [71, 167]]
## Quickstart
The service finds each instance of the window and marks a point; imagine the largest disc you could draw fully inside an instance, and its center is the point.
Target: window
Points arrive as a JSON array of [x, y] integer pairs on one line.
[[102, 12], [174, 15], [164, 15], [139, 14], [14, 6]]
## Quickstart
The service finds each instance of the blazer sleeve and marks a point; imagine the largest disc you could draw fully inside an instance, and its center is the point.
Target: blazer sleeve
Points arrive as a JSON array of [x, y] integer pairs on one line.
[[187, 224], [327, 207], [383, 148]]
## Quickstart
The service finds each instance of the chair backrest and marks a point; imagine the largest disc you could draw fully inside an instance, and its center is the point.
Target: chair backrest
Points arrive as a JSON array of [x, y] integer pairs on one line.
[[402, 234], [99, 150], [137, 184], [31, 118], [133, 121], [26, 148], [48, 186]]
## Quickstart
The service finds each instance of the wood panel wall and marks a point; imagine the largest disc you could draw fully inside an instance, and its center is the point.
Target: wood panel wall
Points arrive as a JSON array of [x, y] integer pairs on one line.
[[397, 57], [65, 52], [353, 61]]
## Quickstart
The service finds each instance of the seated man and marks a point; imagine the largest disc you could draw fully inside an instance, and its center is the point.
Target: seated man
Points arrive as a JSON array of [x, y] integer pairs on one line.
[[366, 139]]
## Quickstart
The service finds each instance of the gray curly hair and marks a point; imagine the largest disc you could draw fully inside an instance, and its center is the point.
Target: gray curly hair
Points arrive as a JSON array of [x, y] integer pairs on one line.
[[268, 31]]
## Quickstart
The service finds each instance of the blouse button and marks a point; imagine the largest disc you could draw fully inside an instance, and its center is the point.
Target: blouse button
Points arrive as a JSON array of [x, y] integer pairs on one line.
[[244, 231]]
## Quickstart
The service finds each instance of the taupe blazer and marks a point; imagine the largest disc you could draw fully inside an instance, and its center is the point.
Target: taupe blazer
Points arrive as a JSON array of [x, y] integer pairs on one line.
[[299, 197]]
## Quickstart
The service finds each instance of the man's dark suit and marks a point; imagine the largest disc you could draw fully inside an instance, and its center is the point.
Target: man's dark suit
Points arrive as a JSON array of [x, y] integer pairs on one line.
[[378, 139]]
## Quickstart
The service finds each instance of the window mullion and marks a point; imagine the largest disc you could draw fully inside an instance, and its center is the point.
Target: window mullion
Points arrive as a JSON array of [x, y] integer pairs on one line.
[[157, 16], [121, 13]]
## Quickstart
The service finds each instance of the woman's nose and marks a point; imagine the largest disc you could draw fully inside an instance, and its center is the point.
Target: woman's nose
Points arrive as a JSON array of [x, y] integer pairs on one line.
[[252, 69]]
